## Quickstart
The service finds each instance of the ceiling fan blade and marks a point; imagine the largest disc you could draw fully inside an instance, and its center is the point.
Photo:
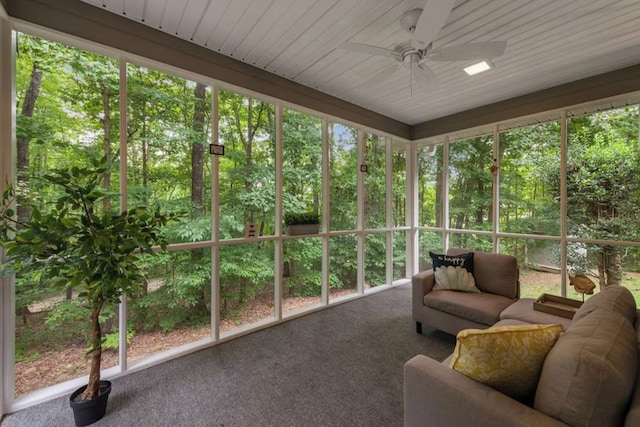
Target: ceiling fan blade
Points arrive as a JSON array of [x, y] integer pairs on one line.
[[391, 71], [467, 52], [426, 77], [370, 50], [434, 16], [422, 76]]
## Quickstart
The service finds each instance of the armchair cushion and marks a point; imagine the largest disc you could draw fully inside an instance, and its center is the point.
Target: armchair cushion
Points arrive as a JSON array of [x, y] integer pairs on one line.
[[482, 308]]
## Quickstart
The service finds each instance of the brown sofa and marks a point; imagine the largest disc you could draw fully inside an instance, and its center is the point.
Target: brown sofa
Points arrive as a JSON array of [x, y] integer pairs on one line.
[[591, 377], [497, 277]]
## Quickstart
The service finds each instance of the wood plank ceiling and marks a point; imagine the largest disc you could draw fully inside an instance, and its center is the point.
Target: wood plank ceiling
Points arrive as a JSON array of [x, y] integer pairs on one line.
[[549, 42]]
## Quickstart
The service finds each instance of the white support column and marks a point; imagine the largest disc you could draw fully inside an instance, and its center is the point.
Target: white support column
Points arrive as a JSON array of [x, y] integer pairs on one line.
[[215, 220], [496, 190], [360, 219], [445, 193], [389, 207], [325, 212], [122, 309], [279, 243], [7, 174], [563, 204], [413, 243]]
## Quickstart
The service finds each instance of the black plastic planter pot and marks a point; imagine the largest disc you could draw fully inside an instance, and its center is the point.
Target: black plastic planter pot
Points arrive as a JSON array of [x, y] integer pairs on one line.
[[88, 412]]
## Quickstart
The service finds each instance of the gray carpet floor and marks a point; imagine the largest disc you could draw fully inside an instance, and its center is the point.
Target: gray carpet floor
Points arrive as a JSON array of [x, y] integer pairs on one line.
[[337, 367]]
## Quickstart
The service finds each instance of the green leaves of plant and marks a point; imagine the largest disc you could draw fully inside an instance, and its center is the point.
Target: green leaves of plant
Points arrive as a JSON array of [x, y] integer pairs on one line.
[[78, 243]]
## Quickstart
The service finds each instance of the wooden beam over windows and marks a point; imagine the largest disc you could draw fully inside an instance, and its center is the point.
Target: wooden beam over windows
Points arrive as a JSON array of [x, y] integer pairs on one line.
[[614, 83]]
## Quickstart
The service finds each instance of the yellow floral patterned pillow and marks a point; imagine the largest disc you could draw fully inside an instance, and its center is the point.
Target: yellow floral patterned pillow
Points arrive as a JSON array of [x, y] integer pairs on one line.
[[507, 358]]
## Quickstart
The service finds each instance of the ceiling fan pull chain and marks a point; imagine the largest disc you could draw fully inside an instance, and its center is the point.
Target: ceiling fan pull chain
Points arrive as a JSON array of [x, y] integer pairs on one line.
[[411, 80]]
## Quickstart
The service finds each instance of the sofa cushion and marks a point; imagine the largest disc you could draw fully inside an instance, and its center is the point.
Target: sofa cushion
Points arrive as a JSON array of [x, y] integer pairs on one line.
[[614, 298], [454, 272], [511, 322], [523, 310], [481, 308], [589, 374], [494, 273], [506, 358]]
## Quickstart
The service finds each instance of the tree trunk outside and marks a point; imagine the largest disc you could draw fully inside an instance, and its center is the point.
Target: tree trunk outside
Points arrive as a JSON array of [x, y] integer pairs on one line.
[[145, 158], [602, 280], [106, 126], [613, 265], [439, 197], [609, 267], [145, 170], [197, 175], [197, 151], [480, 210], [28, 107]]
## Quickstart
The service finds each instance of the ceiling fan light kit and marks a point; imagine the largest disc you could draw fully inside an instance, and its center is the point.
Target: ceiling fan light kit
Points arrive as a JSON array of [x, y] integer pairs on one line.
[[478, 67], [409, 20], [424, 25]]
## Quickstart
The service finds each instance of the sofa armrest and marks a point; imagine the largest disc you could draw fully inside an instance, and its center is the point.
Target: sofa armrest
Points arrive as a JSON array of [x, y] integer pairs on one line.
[[421, 284], [436, 395]]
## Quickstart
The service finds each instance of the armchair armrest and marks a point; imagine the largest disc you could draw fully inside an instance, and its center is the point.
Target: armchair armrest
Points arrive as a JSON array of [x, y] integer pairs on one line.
[[436, 395], [421, 284]]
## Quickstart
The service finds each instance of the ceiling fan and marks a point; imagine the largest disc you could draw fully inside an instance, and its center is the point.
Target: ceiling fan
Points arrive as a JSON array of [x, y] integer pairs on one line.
[[424, 25]]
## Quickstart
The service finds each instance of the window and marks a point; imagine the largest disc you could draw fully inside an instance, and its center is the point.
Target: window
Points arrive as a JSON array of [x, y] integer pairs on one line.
[[343, 266], [430, 185], [246, 285], [343, 169], [375, 160], [399, 186], [529, 179], [603, 189], [302, 193], [471, 183], [67, 116], [247, 170], [540, 265], [168, 132]]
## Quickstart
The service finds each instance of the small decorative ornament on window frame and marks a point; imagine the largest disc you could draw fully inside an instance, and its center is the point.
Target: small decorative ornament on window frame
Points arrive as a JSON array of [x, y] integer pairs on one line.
[[494, 168], [216, 149], [250, 230]]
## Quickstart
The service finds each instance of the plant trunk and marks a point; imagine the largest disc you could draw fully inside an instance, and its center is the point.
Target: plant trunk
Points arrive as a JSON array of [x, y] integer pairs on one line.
[[93, 387]]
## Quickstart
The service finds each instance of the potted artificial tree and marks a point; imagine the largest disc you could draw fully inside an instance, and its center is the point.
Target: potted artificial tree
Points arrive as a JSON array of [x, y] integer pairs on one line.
[[77, 243], [302, 223]]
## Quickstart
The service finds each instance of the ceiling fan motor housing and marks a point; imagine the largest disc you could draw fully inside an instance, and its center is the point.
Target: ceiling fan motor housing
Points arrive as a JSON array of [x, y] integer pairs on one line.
[[409, 53]]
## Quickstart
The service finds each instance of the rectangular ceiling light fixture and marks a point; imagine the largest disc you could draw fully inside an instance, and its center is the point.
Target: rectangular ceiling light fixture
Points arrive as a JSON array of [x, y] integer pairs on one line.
[[478, 68]]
